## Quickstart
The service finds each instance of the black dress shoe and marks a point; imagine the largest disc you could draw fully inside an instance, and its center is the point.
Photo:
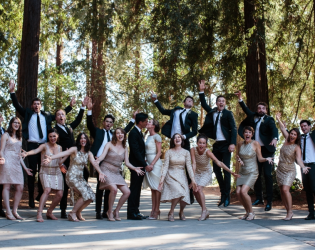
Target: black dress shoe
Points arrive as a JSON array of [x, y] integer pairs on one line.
[[104, 215], [99, 216], [2, 213], [221, 202], [142, 216], [134, 217], [310, 216], [31, 203], [268, 207], [63, 214], [227, 202], [258, 202]]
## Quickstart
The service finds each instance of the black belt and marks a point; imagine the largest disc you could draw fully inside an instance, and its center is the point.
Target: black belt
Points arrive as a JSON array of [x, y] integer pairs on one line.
[[308, 164], [221, 141]]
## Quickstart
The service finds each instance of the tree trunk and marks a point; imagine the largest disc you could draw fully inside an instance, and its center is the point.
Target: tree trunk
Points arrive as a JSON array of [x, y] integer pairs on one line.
[[28, 63], [256, 66]]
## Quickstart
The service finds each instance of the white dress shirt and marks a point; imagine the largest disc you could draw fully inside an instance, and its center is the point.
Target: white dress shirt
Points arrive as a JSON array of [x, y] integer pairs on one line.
[[62, 127], [100, 151], [310, 149], [33, 130], [257, 136], [220, 135]]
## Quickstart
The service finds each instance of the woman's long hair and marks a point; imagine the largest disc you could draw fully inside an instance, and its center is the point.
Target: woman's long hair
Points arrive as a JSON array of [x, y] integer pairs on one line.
[[115, 139], [10, 129], [172, 142], [87, 145], [298, 138]]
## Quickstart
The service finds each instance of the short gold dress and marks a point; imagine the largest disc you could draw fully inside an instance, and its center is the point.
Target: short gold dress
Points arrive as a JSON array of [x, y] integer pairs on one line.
[[249, 171], [175, 182], [286, 171], [203, 173]]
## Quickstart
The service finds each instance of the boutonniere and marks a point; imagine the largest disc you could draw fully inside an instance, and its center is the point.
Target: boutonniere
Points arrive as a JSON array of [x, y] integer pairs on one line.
[[69, 127], [221, 114], [112, 131], [262, 120]]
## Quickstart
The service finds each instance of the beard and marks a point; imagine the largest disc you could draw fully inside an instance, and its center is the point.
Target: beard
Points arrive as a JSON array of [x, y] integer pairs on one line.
[[261, 114]]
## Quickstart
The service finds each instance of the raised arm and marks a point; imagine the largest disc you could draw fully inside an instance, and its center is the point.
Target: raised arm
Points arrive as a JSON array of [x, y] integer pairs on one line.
[[72, 150], [159, 105], [202, 97], [89, 119], [246, 110], [282, 127], [15, 101], [130, 166]]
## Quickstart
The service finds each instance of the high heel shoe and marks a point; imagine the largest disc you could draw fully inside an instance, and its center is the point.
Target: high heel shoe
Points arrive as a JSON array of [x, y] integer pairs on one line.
[[115, 217], [155, 216], [182, 216], [50, 216], [39, 217], [243, 217], [110, 218], [289, 218], [17, 216], [204, 215], [171, 217], [79, 216], [251, 216], [71, 218], [9, 216]]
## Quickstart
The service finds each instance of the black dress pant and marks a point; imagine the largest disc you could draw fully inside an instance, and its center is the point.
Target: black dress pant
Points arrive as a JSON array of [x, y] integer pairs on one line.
[[309, 186], [266, 168], [221, 152], [34, 162], [135, 192], [99, 198]]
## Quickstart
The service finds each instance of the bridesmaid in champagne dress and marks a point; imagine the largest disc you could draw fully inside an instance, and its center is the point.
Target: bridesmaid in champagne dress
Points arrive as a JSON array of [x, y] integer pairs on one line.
[[153, 149], [50, 174], [200, 157], [289, 153], [173, 182], [114, 154], [249, 152], [11, 172], [79, 156]]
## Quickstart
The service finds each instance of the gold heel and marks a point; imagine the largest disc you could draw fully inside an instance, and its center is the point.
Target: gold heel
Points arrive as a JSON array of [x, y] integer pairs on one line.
[[251, 216], [110, 219], [17, 216], [70, 218], [39, 217], [115, 217], [9, 217], [182, 216], [171, 217], [204, 215]]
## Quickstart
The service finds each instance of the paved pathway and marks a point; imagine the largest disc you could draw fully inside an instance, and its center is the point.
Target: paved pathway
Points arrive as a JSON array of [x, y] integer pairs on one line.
[[222, 231]]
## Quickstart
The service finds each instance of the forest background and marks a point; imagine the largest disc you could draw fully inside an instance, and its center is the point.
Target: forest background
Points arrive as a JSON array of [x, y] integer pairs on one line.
[[117, 51]]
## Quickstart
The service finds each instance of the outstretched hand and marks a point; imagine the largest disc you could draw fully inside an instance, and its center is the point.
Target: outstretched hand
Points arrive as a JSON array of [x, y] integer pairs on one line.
[[11, 86], [139, 171], [153, 95], [90, 104], [235, 175], [135, 113], [202, 85], [23, 153], [101, 177], [149, 168], [305, 170], [239, 160], [273, 143], [278, 116], [47, 160], [238, 94], [29, 171], [270, 160], [62, 168], [73, 101], [85, 101]]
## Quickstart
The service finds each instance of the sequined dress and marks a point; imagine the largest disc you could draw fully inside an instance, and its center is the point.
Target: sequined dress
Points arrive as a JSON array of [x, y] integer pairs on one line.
[[249, 171], [74, 177], [175, 183], [50, 175], [111, 167], [203, 173], [11, 171], [286, 171]]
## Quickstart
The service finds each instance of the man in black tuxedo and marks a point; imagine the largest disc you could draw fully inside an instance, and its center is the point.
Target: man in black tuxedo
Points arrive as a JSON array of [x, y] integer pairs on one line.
[[266, 133], [183, 121], [137, 159], [308, 157], [35, 125], [2, 131], [66, 141], [101, 137], [220, 125]]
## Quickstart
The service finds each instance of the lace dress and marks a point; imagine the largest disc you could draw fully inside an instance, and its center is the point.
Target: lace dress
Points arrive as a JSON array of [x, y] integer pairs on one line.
[[11, 171], [249, 171], [111, 167], [152, 179], [74, 177], [50, 175], [286, 171], [203, 173], [175, 183]]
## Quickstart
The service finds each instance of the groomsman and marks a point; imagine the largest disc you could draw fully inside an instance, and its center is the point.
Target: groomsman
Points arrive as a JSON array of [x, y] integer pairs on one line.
[[2, 131], [35, 125], [101, 137], [308, 157], [266, 133], [183, 121], [220, 125], [66, 141]]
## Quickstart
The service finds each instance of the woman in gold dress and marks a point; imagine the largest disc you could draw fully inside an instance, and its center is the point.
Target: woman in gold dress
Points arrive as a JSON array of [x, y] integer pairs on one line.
[[173, 182], [248, 153], [286, 172], [79, 156]]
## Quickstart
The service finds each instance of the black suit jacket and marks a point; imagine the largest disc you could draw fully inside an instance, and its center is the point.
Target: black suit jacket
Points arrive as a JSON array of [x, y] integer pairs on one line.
[[267, 130], [190, 123], [227, 120], [137, 148], [99, 134], [27, 113], [3, 130]]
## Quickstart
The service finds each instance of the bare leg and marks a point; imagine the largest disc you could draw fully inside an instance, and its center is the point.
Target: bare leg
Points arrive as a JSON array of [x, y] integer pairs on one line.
[[111, 198], [247, 202], [84, 205], [157, 200], [240, 198], [196, 194], [181, 210], [288, 198], [173, 205], [43, 199], [54, 203], [125, 194], [6, 198], [202, 198], [153, 202], [17, 197]]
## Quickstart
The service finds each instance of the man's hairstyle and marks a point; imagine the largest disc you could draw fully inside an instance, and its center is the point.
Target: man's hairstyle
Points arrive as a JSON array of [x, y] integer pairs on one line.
[[115, 139], [188, 97], [298, 138], [249, 128], [87, 145], [141, 117], [202, 136], [36, 99], [60, 110], [172, 142], [109, 116], [262, 103], [307, 121], [219, 96]]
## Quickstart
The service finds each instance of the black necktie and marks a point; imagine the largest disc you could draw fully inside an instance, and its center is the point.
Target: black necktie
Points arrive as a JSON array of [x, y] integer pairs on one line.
[[67, 129], [1, 131], [257, 122], [216, 125], [40, 132], [181, 120], [108, 138], [304, 147]]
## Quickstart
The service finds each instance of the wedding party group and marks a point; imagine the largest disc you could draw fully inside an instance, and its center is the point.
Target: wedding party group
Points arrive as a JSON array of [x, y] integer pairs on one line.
[[60, 157]]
